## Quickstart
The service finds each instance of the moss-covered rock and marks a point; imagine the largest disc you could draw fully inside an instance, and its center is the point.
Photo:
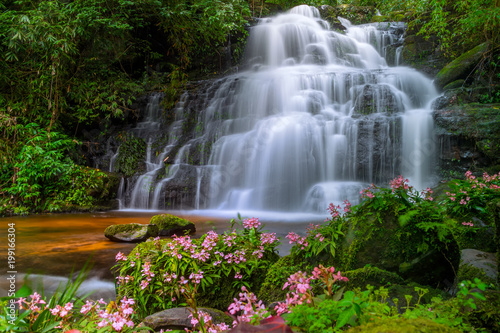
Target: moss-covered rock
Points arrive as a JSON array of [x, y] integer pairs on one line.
[[131, 233], [378, 237], [360, 278], [422, 54], [276, 276], [397, 325], [461, 67], [169, 225], [470, 134]]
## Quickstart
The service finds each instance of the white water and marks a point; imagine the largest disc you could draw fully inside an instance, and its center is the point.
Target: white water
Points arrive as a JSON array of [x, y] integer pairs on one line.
[[317, 116]]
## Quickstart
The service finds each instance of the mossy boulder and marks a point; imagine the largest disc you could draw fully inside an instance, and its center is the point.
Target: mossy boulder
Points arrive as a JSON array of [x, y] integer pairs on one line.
[[378, 237], [169, 225], [131, 233], [461, 67], [397, 325], [470, 134], [277, 275], [478, 264], [376, 277]]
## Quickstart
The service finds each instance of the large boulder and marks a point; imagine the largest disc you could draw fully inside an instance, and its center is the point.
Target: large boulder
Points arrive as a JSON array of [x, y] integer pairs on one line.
[[461, 67], [169, 225], [468, 134], [179, 318], [380, 238], [478, 264], [130, 233]]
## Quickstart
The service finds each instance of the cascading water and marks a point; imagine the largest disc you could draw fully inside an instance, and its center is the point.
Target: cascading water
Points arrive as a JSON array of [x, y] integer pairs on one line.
[[316, 117]]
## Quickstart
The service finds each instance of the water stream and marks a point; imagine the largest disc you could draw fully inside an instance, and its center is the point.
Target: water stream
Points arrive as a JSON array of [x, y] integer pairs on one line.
[[316, 116]]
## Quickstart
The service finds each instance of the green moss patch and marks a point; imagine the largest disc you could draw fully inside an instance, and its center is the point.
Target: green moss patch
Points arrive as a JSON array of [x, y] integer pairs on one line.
[[170, 225], [133, 232], [396, 325]]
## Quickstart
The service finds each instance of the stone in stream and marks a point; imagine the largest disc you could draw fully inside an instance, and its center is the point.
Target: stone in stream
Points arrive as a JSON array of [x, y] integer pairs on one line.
[[169, 225], [131, 233]]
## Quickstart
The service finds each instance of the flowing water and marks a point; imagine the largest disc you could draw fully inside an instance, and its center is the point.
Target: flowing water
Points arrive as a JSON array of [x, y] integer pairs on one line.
[[316, 116]]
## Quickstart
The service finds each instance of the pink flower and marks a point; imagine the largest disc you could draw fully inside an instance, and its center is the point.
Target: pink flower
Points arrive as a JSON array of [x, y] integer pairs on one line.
[[251, 223], [120, 256], [238, 275]]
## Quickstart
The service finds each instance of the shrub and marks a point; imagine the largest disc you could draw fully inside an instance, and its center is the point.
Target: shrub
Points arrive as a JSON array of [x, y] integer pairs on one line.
[[159, 274]]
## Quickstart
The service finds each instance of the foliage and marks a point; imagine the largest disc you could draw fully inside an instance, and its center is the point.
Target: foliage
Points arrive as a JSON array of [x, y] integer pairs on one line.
[[157, 273], [44, 177], [421, 223], [131, 156], [28, 311], [470, 197], [322, 239], [459, 25]]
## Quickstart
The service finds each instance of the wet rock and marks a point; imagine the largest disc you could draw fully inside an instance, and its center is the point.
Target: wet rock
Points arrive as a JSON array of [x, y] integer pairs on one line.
[[461, 67], [422, 54], [130, 233], [179, 318], [484, 261], [169, 225], [376, 99], [467, 135]]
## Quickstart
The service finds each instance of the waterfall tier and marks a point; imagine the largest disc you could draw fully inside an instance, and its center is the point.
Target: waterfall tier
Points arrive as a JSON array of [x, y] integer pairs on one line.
[[317, 116]]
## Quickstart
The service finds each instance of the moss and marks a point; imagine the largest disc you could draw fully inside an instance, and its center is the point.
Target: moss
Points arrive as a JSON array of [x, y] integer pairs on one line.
[[461, 67], [399, 291], [469, 272], [277, 275], [360, 278], [376, 237], [396, 325], [130, 159], [133, 232], [487, 314], [169, 225]]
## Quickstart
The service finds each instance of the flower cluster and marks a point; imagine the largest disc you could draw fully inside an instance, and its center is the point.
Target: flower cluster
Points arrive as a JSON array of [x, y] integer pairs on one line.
[[247, 307], [470, 224], [300, 286], [176, 267], [400, 183], [251, 223], [97, 314], [367, 192], [295, 238], [114, 315], [427, 194]]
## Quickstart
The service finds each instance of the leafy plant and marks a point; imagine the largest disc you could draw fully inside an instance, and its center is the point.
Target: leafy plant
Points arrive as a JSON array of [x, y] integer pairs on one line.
[[159, 273]]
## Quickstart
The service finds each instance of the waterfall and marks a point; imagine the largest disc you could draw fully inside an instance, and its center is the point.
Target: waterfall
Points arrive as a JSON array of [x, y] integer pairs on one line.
[[316, 116]]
